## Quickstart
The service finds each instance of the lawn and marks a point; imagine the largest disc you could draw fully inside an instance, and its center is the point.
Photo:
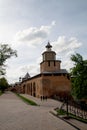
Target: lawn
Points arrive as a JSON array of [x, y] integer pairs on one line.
[[28, 101], [1, 93]]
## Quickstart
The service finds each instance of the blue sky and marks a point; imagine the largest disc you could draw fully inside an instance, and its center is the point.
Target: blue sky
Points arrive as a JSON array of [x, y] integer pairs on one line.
[[27, 25]]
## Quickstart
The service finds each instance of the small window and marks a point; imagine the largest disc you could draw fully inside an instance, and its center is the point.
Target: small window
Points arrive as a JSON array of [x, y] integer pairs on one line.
[[54, 63], [48, 63]]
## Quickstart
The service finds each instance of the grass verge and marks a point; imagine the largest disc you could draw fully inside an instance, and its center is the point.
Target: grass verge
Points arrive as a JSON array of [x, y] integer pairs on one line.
[[28, 101], [1, 92], [62, 112]]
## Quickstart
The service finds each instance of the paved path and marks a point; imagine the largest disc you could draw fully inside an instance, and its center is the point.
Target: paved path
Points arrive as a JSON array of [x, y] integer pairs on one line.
[[16, 115], [51, 104]]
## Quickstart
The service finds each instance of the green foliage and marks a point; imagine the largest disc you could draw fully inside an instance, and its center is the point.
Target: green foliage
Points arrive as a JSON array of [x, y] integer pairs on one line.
[[1, 93], [79, 77], [3, 84], [61, 112], [6, 52]]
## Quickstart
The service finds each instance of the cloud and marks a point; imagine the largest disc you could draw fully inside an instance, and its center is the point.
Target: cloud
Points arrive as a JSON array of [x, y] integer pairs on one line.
[[64, 48], [53, 23], [29, 47], [34, 35], [27, 68], [27, 43], [63, 44]]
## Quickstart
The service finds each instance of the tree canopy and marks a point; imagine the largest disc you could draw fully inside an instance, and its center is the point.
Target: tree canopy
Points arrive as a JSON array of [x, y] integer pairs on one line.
[[3, 84], [79, 77], [6, 52]]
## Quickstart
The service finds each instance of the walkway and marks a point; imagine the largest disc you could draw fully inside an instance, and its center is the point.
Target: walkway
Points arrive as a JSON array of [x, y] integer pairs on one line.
[[50, 105], [17, 115], [46, 104]]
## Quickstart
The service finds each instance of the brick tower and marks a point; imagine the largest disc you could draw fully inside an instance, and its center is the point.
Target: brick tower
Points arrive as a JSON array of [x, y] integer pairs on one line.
[[49, 62]]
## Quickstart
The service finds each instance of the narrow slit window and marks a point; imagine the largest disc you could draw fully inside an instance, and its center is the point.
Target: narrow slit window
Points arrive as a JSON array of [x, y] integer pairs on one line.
[[54, 63], [48, 63]]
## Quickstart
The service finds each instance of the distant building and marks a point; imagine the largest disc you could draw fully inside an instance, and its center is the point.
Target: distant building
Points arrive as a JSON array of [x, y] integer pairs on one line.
[[26, 77], [51, 81]]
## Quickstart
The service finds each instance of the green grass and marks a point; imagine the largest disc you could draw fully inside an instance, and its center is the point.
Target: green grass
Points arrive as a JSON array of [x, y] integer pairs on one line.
[[28, 101], [1, 92], [62, 112]]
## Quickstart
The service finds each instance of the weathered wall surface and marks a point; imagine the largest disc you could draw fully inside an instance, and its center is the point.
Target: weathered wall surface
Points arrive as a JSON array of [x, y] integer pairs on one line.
[[46, 85]]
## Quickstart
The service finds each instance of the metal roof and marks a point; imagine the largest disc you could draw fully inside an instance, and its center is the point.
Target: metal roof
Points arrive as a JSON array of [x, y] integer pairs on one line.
[[61, 71]]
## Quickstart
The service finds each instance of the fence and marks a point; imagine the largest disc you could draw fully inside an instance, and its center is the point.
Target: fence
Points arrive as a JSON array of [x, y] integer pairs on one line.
[[79, 109]]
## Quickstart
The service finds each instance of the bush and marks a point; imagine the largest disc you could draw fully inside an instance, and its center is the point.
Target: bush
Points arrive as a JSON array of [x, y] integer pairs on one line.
[[3, 84]]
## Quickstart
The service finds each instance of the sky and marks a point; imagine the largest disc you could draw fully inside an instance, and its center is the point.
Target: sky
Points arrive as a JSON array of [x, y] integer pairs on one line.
[[28, 25]]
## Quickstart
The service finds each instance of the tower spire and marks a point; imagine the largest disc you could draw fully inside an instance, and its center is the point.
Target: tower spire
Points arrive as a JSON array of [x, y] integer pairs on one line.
[[48, 46]]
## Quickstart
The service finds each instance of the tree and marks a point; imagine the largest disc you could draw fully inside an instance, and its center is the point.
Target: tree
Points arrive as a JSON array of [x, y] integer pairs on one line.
[[3, 84], [79, 77], [6, 52]]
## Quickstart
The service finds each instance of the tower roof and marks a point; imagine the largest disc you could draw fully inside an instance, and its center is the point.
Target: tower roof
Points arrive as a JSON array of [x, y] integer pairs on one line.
[[48, 45], [27, 76]]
